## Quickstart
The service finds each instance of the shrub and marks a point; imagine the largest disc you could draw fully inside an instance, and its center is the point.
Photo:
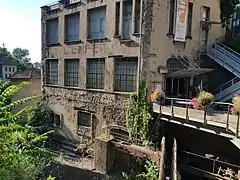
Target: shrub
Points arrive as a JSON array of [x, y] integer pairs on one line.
[[158, 95], [236, 105], [205, 98], [194, 103]]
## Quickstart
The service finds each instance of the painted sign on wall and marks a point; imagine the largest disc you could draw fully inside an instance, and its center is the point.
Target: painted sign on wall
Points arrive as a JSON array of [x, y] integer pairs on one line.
[[181, 20]]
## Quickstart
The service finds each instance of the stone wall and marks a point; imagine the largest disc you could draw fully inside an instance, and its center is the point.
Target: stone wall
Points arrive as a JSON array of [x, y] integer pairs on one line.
[[106, 109]]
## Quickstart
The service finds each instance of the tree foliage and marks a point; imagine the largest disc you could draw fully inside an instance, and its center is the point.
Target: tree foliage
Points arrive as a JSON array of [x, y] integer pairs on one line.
[[227, 7], [139, 124], [23, 155], [22, 58]]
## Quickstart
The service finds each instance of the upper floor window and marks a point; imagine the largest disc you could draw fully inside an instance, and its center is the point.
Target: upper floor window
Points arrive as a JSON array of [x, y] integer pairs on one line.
[[72, 27], [171, 17], [126, 74], [127, 19], [10, 69], [206, 13], [52, 71], [117, 19], [189, 20], [137, 16], [71, 72], [95, 73], [97, 23], [6, 69], [52, 31], [13, 69]]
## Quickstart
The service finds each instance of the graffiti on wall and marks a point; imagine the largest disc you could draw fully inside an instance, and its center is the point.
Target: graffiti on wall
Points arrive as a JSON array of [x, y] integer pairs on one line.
[[77, 50]]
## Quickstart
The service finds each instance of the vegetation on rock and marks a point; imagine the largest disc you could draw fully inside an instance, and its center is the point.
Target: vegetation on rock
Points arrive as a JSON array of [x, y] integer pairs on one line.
[[236, 105]]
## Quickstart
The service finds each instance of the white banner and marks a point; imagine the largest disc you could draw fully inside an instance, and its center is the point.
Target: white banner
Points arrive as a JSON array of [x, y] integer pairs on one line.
[[181, 20]]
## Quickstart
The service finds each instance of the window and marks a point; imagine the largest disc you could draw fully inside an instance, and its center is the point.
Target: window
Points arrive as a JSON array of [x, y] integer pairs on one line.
[[206, 13], [57, 120], [137, 16], [6, 69], [117, 19], [127, 19], [13, 69], [126, 74], [6, 76], [189, 21], [84, 119], [71, 72], [97, 23], [52, 31], [171, 17], [10, 69], [52, 71], [95, 73], [72, 26]]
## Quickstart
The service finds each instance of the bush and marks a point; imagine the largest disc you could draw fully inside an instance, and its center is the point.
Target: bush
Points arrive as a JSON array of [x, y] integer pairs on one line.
[[205, 98], [236, 105], [158, 95]]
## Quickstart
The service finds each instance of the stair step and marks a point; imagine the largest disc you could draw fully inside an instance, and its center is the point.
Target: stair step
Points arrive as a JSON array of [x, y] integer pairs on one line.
[[69, 149], [67, 143]]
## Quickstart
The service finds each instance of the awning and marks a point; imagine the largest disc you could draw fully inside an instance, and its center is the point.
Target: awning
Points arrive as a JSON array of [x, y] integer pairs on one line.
[[189, 72]]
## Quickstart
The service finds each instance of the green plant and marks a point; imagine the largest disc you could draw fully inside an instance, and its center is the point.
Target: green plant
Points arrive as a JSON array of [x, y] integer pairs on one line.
[[158, 95], [139, 123], [205, 98], [23, 155], [236, 105]]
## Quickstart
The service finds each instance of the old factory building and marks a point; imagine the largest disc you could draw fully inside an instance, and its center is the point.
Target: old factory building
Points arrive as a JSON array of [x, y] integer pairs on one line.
[[94, 50]]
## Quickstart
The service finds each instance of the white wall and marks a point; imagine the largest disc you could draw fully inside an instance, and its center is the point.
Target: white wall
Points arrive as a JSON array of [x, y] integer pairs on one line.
[[8, 71]]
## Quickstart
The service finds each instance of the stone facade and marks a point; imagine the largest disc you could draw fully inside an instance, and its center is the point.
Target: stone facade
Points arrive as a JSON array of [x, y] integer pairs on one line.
[[154, 47]]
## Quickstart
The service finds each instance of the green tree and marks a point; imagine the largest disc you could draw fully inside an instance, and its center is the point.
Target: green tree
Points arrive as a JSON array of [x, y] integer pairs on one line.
[[23, 154], [24, 62], [227, 7]]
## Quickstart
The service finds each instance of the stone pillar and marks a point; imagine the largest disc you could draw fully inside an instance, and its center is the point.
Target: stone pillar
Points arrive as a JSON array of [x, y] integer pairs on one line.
[[82, 73], [61, 71], [133, 15], [104, 154], [109, 74]]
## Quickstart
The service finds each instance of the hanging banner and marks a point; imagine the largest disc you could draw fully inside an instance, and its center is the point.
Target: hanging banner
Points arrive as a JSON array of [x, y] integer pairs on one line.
[[181, 20]]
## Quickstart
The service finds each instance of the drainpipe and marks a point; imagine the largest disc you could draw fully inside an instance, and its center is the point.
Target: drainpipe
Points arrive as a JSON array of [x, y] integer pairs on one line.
[[140, 48]]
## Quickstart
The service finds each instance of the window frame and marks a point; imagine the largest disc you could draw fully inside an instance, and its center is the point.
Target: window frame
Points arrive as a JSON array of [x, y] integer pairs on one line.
[[137, 19], [48, 80], [88, 124], [189, 19], [47, 31], [117, 19], [89, 33], [66, 20], [131, 26], [172, 13], [74, 74], [96, 85], [124, 83]]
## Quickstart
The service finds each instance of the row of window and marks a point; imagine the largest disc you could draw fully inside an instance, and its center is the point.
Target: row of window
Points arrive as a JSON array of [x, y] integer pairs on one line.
[[9, 69], [172, 16], [125, 73], [96, 23]]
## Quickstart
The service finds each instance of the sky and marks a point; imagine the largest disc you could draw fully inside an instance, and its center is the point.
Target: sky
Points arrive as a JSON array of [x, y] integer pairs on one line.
[[20, 25]]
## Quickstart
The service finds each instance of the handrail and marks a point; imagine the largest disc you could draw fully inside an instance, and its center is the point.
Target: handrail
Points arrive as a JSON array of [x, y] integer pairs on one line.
[[235, 52], [217, 47], [226, 85]]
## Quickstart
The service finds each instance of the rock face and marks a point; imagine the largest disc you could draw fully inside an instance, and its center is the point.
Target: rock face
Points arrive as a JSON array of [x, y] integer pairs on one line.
[[104, 109]]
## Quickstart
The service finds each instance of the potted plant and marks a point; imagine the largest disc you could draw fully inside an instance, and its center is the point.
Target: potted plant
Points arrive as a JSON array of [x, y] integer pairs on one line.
[[158, 95], [236, 105], [195, 105], [205, 99]]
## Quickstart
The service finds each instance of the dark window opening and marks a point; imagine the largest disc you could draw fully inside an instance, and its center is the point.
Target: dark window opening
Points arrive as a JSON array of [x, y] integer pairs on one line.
[[52, 71], [137, 16], [71, 72], [127, 20], [171, 17], [189, 21], [84, 119], [57, 120], [95, 73], [126, 74], [117, 19]]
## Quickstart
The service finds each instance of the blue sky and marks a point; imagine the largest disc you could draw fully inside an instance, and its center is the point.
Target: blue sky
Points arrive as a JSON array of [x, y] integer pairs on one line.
[[20, 25]]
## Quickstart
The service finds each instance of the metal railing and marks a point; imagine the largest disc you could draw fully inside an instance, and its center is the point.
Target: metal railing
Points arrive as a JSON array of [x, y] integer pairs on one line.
[[226, 85], [211, 164], [229, 49], [54, 6], [176, 107]]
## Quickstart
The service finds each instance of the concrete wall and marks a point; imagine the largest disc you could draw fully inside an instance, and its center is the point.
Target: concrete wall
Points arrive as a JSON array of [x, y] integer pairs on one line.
[[157, 48], [6, 72]]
